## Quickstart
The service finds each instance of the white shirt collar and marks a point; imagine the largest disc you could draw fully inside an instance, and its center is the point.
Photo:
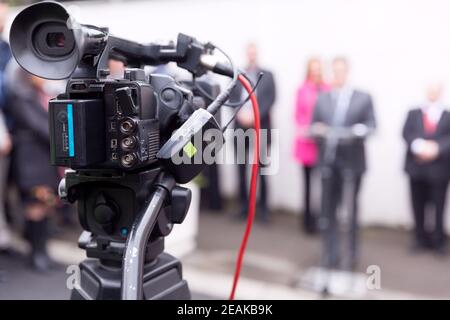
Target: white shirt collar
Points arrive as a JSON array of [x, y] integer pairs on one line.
[[433, 110]]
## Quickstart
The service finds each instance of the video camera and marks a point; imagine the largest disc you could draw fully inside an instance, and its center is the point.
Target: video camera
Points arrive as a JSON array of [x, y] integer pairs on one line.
[[101, 123], [119, 137]]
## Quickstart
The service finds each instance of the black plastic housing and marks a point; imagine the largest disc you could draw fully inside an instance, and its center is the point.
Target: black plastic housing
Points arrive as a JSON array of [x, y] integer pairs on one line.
[[77, 132], [183, 154], [105, 124]]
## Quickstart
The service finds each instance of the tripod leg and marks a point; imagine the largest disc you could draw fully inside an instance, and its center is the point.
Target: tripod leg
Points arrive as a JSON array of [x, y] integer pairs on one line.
[[134, 257]]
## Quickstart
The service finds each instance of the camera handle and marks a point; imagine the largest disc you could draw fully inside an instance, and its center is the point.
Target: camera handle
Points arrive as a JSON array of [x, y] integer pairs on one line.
[[134, 257]]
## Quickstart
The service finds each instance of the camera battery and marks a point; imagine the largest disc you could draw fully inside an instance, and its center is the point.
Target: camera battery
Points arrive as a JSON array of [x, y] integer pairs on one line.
[[77, 132]]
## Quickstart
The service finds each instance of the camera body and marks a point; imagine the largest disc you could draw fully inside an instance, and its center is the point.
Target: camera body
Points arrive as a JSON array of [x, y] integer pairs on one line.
[[118, 123], [98, 124], [105, 124], [127, 124]]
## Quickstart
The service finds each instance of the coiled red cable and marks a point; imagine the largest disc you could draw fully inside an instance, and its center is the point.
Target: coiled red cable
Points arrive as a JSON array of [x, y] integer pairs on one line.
[[253, 185]]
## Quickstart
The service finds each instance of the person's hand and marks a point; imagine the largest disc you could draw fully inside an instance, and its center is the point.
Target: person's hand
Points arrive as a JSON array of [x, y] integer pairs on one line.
[[360, 130], [303, 132], [245, 118], [429, 152], [36, 211], [6, 146], [319, 129], [45, 195]]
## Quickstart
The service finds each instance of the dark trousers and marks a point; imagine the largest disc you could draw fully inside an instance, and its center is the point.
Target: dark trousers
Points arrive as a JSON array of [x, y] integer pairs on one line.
[[211, 197], [36, 232], [333, 183], [309, 218], [425, 193], [262, 211]]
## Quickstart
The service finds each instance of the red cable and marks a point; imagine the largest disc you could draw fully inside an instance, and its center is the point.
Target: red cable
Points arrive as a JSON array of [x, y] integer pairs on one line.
[[252, 201]]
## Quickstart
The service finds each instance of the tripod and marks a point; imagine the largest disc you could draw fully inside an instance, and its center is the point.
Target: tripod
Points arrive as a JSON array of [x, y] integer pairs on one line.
[[126, 217]]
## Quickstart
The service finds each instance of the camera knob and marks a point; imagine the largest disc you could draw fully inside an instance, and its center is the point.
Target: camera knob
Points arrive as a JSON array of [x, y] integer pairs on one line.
[[168, 95], [171, 98], [62, 190], [105, 211]]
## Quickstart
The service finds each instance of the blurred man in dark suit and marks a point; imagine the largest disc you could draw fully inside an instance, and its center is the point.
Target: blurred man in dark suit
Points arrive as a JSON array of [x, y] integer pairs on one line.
[[427, 135], [343, 108], [265, 94]]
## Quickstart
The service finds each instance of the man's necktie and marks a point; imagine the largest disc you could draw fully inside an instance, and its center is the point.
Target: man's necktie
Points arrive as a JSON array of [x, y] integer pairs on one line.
[[342, 101], [428, 124]]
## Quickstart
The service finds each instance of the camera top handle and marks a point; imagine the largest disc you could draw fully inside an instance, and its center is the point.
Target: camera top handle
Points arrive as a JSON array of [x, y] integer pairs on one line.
[[48, 42], [186, 53]]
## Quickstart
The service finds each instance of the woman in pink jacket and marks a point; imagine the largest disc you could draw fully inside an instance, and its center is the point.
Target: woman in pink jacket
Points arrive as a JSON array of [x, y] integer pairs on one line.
[[305, 150]]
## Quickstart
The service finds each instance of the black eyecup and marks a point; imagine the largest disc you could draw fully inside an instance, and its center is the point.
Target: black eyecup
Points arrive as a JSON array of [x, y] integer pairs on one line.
[[30, 44]]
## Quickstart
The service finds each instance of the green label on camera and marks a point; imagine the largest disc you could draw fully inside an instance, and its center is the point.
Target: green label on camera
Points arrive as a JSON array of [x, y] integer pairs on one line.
[[190, 149]]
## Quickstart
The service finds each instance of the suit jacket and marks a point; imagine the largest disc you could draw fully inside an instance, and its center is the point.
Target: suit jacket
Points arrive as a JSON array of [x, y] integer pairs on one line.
[[265, 94], [438, 169], [360, 111]]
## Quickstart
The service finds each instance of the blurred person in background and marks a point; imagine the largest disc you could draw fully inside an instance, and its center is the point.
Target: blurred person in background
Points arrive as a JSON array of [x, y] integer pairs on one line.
[[265, 93], [36, 179], [5, 139], [209, 180], [116, 65], [427, 136], [5, 148], [305, 149], [343, 108]]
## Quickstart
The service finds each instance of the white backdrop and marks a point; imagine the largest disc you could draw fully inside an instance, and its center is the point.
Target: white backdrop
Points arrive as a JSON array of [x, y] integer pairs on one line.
[[395, 49]]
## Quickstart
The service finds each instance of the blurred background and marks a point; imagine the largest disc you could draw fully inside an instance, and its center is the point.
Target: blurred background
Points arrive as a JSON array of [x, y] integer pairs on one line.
[[394, 51]]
